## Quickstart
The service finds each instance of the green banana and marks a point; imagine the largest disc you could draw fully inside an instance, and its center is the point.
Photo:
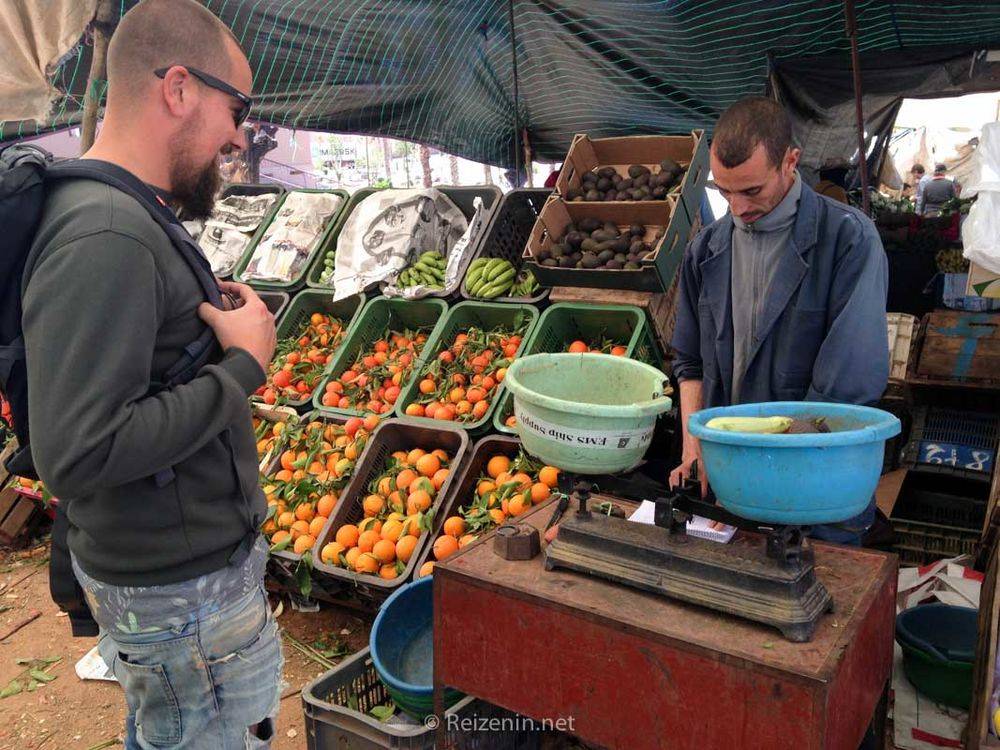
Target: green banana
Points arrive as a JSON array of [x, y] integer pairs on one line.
[[756, 425]]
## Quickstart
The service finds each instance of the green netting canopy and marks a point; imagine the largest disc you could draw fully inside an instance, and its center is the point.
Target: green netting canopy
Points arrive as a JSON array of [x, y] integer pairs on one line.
[[442, 72]]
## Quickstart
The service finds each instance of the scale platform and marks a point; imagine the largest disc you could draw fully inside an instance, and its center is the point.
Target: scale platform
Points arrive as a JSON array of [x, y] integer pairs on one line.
[[768, 579]]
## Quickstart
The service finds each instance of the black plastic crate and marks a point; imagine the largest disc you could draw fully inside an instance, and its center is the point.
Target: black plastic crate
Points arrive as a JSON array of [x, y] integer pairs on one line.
[[953, 442], [937, 516], [507, 233], [336, 706]]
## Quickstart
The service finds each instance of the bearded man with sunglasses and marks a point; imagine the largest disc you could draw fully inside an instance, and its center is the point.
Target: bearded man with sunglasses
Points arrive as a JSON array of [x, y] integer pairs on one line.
[[160, 482], [783, 298]]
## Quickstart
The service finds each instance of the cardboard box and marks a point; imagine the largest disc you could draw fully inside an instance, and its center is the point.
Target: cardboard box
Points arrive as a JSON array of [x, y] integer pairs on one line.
[[982, 283], [657, 271], [690, 151]]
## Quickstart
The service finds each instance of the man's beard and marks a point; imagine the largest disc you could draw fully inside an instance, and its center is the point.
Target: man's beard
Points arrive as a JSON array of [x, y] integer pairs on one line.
[[193, 188]]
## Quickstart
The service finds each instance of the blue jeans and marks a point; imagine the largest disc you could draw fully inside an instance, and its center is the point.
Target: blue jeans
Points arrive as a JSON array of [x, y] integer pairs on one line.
[[848, 532], [212, 684]]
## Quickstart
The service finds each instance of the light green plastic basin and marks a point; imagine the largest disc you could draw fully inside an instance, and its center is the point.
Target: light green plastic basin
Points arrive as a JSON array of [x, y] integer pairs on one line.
[[586, 413]]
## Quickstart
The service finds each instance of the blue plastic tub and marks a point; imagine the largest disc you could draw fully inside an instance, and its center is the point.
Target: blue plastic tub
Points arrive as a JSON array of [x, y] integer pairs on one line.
[[796, 479], [402, 649]]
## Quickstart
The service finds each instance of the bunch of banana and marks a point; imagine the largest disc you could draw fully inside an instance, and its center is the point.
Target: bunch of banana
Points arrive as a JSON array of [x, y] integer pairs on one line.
[[525, 284], [490, 277], [427, 271], [758, 425]]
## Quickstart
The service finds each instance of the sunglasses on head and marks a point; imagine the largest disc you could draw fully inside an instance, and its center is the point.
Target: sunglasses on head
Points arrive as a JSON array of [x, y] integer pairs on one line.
[[212, 82]]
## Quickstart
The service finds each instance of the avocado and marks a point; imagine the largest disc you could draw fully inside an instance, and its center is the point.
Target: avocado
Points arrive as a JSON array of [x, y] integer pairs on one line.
[[604, 184], [637, 230], [592, 195], [642, 180], [620, 245], [669, 165], [630, 266], [612, 228], [543, 255], [577, 199], [550, 263], [576, 256], [663, 179], [605, 256], [636, 194], [614, 264], [589, 260], [588, 224], [588, 177], [616, 182], [601, 235], [626, 184], [573, 193], [659, 192], [566, 262], [573, 239], [637, 246], [579, 264], [589, 245], [607, 172], [632, 258], [637, 170], [621, 257], [557, 250]]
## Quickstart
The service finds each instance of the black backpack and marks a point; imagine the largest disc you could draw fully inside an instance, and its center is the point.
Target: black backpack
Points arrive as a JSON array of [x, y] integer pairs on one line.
[[25, 173]]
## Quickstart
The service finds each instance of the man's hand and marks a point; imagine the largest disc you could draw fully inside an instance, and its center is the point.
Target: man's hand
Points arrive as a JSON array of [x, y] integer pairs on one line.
[[692, 453], [250, 326]]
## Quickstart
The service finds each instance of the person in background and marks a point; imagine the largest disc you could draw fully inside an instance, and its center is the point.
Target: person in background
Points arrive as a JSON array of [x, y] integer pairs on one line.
[[937, 191], [160, 484], [919, 180], [782, 299]]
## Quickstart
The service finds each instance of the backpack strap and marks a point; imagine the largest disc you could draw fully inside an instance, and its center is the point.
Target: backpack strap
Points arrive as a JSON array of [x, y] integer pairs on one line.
[[200, 351]]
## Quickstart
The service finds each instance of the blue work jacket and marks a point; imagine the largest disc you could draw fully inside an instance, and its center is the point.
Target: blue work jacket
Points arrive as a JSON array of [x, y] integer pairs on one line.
[[823, 333]]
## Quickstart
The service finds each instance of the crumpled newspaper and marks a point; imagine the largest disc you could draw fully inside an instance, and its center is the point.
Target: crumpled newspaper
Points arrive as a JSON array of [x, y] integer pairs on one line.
[[387, 229], [292, 236], [458, 260]]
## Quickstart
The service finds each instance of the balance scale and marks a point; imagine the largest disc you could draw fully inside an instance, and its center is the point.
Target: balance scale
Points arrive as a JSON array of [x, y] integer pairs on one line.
[[770, 579]]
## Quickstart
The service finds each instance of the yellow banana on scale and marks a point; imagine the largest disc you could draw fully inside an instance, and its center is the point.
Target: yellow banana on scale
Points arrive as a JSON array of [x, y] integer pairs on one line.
[[756, 425]]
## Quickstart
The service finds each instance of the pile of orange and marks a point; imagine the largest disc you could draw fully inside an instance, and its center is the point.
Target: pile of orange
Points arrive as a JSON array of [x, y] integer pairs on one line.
[[461, 381], [373, 382], [299, 360], [270, 435], [396, 512], [604, 347], [317, 460], [504, 490]]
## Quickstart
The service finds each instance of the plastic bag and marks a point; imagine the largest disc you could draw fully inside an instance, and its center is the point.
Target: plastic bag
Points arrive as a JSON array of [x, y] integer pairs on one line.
[[981, 228]]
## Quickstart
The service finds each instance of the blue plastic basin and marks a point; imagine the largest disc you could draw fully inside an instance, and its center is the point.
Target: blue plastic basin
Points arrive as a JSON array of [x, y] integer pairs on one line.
[[402, 649], [796, 479]]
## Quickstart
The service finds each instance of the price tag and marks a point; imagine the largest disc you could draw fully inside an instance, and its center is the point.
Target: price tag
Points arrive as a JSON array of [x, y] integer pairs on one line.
[[956, 456]]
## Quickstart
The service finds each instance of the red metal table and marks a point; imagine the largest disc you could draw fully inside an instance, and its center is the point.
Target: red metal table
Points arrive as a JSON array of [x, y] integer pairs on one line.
[[635, 670]]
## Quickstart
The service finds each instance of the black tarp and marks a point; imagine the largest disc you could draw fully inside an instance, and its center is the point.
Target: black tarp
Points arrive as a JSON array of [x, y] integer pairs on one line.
[[440, 72]]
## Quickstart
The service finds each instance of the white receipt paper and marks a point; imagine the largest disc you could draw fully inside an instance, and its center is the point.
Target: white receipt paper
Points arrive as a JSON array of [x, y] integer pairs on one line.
[[697, 526]]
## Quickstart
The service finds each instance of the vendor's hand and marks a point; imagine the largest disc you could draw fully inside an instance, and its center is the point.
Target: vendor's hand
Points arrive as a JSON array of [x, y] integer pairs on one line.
[[249, 327], [682, 472]]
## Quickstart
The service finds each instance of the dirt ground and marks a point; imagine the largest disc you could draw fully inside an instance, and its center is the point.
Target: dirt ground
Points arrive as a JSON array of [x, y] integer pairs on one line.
[[72, 714]]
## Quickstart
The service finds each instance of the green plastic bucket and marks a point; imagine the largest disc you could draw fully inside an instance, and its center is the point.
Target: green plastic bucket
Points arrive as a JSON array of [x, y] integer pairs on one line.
[[586, 413]]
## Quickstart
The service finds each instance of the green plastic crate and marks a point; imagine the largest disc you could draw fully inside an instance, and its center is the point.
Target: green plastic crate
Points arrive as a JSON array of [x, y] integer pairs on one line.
[[310, 301], [462, 197], [378, 316], [485, 315], [565, 322], [320, 248]]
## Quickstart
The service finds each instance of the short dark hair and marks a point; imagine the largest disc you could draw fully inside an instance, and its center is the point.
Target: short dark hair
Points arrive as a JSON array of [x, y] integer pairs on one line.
[[918, 168], [159, 33], [747, 124], [940, 168]]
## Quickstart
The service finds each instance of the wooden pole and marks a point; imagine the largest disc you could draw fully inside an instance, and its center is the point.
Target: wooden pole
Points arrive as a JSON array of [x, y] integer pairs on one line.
[[104, 23], [528, 159], [852, 35]]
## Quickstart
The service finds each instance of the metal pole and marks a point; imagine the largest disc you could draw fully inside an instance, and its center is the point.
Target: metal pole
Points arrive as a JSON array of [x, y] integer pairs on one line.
[[852, 35], [517, 102], [104, 23]]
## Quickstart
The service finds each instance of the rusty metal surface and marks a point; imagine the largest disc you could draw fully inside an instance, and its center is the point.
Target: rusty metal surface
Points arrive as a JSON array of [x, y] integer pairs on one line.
[[852, 576]]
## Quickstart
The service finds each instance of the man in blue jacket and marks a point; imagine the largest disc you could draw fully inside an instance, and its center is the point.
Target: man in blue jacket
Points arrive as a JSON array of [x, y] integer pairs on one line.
[[782, 299]]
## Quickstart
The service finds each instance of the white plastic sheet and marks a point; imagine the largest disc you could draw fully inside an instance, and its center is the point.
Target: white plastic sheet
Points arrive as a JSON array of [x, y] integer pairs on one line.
[[981, 228]]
